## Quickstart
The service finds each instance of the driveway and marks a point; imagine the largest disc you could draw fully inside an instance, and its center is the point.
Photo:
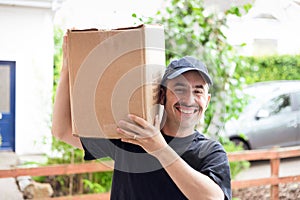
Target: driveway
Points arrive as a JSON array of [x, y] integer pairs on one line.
[[8, 186], [262, 169]]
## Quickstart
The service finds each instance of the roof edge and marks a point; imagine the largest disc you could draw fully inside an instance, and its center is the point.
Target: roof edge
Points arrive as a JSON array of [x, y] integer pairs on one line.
[[46, 4]]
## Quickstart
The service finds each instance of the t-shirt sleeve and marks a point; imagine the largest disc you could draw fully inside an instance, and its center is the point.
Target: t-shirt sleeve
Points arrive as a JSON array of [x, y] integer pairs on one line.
[[95, 148], [216, 166]]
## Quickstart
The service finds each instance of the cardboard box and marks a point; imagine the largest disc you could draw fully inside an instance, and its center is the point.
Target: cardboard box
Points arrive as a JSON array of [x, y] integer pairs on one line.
[[113, 73]]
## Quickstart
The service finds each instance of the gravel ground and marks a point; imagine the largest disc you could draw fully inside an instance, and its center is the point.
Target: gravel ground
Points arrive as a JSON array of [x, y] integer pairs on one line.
[[286, 192]]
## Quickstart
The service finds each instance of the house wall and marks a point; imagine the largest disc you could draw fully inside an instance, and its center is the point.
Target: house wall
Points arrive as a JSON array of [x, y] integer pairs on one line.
[[27, 38], [270, 27]]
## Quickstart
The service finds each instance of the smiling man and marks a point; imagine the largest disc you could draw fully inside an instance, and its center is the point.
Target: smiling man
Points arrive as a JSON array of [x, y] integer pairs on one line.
[[167, 159]]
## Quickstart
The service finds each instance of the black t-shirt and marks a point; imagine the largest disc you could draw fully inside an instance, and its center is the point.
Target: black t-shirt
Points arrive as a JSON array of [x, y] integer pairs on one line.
[[138, 175]]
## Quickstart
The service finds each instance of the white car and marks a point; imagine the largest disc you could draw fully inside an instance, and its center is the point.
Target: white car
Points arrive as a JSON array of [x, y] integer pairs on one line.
[[272, 117]]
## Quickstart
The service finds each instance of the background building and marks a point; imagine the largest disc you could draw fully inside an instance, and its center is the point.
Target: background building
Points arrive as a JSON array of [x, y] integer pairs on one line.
[[26, 74], [270, 27]]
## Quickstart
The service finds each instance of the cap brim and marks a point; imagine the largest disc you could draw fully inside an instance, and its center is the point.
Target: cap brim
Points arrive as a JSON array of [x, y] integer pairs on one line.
[[207, 78]]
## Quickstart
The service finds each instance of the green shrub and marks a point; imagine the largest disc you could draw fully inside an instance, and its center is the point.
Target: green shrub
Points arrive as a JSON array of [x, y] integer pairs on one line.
[[268, 68]]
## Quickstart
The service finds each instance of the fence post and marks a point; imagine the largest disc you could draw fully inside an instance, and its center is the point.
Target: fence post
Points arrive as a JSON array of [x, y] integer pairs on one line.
[[275, 163]]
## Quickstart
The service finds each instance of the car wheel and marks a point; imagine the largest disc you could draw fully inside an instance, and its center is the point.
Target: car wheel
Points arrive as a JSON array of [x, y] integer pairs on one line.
[[240, 142]]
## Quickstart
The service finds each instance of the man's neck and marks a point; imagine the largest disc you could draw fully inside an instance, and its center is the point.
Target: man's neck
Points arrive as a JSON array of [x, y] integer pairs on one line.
[[177, 132]]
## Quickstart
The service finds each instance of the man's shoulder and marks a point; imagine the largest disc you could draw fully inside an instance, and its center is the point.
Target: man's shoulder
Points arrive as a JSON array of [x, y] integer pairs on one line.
[[200, 135], [206, 142]]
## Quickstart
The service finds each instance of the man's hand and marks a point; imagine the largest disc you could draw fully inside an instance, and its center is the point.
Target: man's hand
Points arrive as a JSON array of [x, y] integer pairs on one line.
[[142, 133]]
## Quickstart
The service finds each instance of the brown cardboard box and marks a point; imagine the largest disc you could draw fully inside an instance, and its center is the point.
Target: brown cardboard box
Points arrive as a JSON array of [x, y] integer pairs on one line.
[[113, 73]]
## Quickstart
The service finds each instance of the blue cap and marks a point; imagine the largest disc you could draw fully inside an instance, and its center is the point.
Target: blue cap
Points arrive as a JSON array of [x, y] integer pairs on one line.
[[182, 65]]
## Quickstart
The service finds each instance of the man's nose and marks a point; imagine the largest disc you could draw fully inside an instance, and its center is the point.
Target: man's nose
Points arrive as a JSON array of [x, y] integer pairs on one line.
[[189, 98]]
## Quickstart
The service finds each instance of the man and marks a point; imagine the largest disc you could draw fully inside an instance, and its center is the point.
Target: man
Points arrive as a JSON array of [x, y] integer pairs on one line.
[[167, 160]]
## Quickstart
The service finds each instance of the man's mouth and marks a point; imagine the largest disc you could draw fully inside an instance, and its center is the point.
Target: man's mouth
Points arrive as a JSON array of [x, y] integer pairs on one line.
[[187, 109]]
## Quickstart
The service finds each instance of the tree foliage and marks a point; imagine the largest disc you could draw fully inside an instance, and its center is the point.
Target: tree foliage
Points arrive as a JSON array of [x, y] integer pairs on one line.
[[57, 58], [192, 30]]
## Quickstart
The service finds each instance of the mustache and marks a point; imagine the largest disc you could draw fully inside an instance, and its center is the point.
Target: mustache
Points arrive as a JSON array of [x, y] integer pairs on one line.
[[196, 106]]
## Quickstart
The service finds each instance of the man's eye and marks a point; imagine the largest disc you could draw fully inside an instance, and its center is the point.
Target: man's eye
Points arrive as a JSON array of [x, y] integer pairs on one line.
[[199, 91], [179, 90]]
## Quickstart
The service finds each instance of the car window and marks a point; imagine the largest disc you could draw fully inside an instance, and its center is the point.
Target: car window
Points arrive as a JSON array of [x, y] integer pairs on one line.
[[278, 105]]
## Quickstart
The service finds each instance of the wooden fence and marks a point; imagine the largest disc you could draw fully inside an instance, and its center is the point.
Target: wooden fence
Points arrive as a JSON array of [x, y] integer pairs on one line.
[[274, 155]]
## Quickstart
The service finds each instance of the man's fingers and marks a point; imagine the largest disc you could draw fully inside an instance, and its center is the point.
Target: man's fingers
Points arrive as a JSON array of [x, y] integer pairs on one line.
[[140, 127], [157, 122], [140, 121], [127, 134], [130, 127]]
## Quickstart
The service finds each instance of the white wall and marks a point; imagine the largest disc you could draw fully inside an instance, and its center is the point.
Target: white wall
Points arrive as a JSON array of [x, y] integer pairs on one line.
[[27, 38], [97, 14]]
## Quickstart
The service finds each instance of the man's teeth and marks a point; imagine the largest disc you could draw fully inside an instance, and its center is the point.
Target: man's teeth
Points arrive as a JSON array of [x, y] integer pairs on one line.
[[187, 111]]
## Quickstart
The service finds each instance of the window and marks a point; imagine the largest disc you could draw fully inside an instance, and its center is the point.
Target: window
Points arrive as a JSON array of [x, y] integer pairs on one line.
[[280, 104]]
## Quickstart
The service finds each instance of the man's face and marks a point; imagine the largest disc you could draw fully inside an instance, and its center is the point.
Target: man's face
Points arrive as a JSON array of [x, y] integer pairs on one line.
[[186, 100]]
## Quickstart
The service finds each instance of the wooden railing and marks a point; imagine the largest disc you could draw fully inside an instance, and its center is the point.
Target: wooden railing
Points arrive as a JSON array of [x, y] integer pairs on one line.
[[274, 155]]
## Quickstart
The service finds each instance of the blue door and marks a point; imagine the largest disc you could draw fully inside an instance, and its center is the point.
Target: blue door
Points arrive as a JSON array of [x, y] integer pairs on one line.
[[7, 105]]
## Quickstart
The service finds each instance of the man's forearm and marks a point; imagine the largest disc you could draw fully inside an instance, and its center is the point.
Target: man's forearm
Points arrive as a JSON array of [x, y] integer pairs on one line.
[[61, 120]]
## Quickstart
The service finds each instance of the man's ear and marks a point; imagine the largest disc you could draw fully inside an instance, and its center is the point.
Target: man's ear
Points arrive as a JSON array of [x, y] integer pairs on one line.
[[208, 100], [162, 96]]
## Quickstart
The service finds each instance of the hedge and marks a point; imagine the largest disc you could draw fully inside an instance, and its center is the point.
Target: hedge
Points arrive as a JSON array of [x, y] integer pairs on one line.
[[267, 68]]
